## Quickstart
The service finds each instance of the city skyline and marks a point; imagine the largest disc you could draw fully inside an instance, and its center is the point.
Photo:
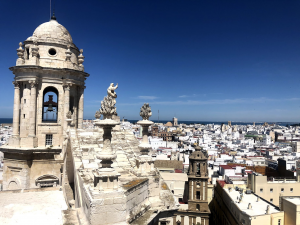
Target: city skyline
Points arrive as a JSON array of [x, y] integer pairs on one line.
[[197, 61]]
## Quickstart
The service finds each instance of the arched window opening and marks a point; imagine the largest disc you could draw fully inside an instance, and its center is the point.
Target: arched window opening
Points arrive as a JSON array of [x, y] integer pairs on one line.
[[198, 169], [50, 105], [198, 194], [13, 186], [47, 181]]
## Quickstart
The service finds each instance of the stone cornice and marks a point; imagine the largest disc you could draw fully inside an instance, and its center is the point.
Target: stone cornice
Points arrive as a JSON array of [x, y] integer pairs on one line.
[[38, 69], [52, 42]]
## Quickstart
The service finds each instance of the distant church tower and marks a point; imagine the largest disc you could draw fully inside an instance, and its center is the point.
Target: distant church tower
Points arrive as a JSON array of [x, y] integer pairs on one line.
[[198, 211], [175, 122], [49, 82]]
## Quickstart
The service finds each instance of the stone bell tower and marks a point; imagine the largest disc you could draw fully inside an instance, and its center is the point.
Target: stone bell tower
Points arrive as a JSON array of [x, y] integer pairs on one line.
[[198, 181], [198, 211], [49, 82]]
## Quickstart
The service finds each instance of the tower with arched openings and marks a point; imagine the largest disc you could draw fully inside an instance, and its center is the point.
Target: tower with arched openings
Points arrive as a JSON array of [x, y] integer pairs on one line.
[[49, 82], [198, 210]]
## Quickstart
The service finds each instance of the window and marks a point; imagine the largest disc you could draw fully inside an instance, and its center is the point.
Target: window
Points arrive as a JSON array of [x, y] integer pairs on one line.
[[198, 184], [271, 200], [48, 139], [291, 189], [50, 104], [24, 101], [261, 190], [24, 116], [271, 190], [282, 189], [27, 53], [198, 207], [52, 51], [198, 194]]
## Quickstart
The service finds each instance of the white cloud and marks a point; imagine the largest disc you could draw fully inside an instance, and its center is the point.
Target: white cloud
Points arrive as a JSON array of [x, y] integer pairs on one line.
[[147, 97], [187, 96]]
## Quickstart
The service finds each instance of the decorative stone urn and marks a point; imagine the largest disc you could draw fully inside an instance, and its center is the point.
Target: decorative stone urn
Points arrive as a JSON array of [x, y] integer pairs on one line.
[[145, 162]]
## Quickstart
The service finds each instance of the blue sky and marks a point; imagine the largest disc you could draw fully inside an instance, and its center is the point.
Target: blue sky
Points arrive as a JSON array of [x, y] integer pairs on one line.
[[196, 60]]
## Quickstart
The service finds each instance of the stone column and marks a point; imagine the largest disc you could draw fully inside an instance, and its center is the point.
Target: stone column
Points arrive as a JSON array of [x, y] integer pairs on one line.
[[182, 220], [206, 221], [174, 219], [80, 107], [190, 220], [16, 115], [202, 221], [66, 105], [194, 220], [32, 119], [190, 190]]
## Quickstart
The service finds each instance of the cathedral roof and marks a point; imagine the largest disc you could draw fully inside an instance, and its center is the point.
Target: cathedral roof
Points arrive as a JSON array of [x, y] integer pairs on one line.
[[51, 31]]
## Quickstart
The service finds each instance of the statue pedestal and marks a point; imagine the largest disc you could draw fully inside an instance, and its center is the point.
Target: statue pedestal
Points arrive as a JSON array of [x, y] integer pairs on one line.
[[145, 166], [145, 124], [106, 178], [145, 163]]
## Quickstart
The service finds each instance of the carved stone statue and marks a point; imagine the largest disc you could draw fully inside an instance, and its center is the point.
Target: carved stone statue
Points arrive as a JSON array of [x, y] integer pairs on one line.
[[145, 112], [108, 108], [111, 90]]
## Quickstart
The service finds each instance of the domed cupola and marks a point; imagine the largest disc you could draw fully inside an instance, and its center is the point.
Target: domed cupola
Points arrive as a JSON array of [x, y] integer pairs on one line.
[[52, 32], [51, 45]]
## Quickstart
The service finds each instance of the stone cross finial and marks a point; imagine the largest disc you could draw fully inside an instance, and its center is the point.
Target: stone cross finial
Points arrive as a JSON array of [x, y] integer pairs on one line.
[[145, 112]]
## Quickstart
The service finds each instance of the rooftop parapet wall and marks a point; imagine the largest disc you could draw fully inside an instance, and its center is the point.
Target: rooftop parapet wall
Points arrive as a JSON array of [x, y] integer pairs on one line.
[[137, 199]]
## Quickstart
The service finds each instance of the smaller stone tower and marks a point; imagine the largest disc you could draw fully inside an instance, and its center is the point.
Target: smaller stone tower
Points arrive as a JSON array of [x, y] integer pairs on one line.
[[175, 122], [198, 181]]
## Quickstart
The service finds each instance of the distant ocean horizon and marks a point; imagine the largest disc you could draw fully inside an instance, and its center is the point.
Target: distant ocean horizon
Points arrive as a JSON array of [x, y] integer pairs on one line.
[[219, 122], [10, 120]]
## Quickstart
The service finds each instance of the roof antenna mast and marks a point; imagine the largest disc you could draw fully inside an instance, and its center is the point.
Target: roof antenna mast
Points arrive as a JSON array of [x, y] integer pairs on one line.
[[53, 15]]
